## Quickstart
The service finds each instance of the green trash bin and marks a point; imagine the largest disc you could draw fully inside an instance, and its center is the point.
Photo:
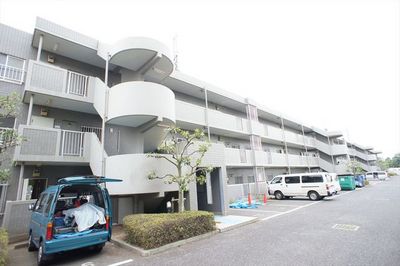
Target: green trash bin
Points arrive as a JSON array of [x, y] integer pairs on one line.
[[347, 182]]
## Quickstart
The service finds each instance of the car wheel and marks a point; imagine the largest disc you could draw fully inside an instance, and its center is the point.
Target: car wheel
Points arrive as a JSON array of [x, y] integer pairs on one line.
[[41, 257], [278, 195], [313, 195], [31, 245]]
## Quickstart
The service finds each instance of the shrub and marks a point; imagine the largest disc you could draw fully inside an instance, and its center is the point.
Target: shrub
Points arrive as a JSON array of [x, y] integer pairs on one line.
[[155, 230], [3, 246]]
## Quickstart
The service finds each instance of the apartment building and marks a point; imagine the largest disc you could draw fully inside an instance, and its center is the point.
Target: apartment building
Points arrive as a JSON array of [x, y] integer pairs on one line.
[[94, 108]]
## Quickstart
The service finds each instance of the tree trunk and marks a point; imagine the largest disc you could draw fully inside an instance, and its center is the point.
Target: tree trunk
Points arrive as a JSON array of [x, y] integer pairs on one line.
[[181, 202]]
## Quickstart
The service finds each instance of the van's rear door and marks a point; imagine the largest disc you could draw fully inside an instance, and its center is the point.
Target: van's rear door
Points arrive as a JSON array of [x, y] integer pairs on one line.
[[87, 180]]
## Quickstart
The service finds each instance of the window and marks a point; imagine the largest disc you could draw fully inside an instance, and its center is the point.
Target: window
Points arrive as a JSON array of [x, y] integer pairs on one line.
[[292, 179], [277, 180], [40, 203], [11, 68], [48, 204], [312, 179]]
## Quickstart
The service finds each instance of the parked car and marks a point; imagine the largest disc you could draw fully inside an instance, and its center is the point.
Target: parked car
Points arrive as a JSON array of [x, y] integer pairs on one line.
[[73, 214], [335, 181], [347, 182], [380, 175], [316, 186]]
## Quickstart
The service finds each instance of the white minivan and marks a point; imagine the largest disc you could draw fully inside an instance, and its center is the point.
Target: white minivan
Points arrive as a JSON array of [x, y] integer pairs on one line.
[[316, 186], [381, 175]]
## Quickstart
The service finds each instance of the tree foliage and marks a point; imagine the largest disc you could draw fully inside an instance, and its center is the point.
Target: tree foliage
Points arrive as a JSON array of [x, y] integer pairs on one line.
[[354, 167], [394, 162], [9, 107], [185, 151]]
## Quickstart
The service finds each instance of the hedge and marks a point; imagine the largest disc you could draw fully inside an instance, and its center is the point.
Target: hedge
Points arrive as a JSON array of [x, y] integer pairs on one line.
[[3, 246], [155, 230]]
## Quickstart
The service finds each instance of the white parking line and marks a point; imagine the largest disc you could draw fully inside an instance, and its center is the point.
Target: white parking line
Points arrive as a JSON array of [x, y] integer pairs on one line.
[[301, 207], [255, 210], [121, 262]]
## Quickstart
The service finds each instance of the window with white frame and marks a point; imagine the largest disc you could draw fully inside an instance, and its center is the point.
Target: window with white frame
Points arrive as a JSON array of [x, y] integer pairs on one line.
[[11, 68]]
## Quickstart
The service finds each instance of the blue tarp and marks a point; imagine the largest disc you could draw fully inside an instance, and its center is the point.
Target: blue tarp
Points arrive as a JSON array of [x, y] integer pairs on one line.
[[239, 204], [60, 236]]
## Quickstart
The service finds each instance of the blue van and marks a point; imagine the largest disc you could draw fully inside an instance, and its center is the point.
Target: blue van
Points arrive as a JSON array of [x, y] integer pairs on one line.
[[73, 214]]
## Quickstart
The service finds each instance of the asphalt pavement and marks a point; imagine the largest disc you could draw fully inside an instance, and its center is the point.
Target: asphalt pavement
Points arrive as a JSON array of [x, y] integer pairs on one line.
[[356, 228]]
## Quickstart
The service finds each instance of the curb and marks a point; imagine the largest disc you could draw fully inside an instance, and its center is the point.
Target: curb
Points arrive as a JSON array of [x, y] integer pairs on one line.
[[222, 230], [19, 245], [149, 252]]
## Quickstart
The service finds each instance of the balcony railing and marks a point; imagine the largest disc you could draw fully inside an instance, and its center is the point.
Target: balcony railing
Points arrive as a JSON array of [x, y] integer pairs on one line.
[[43, 144], [96, 130], [71, 143], [42, 76], [12, 74], [77, 84]]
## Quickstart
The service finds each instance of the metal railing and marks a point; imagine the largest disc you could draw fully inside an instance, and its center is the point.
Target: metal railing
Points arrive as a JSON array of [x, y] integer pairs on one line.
[[96, 130], [71, 143], [11, 74], [77, 84]]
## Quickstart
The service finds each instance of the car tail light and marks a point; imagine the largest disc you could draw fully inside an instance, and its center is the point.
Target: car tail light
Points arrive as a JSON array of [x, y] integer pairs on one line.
[[49, 231], [107, 222]]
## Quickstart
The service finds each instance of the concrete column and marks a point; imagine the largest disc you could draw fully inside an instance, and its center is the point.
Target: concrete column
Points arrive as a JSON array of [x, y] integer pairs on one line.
[[20, 182], [333, 161], [29, 118], [286, 149], [39, 52], [305, 147], [209, 189]]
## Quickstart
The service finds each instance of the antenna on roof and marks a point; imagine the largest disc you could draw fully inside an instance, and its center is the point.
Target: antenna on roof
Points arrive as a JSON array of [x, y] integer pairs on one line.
[[175, 50]]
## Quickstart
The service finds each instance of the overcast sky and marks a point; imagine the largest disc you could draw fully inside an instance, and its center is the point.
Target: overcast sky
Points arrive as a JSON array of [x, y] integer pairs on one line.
[[331, 64]]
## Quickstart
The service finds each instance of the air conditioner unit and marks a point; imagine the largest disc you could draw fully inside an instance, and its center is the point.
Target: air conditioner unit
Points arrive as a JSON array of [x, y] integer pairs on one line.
[[50, 59]]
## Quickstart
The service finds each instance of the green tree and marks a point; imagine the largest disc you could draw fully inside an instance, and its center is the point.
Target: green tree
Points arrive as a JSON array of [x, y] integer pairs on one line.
[[354, 167], [185, 151], [9, 108], [395, 160]]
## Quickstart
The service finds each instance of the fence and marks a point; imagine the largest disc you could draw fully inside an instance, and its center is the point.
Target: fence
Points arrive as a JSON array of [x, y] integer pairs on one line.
[[11, 73], [16, 219], [240, 191]]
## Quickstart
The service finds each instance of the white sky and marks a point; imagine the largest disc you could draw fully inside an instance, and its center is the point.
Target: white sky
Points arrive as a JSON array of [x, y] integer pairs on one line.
[[331, 64]]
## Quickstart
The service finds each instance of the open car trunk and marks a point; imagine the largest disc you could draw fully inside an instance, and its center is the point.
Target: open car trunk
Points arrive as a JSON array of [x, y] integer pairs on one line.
[[79, 210]]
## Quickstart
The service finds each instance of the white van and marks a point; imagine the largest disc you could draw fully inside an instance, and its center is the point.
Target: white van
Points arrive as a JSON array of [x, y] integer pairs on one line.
[[335, 182], [316, 186], [381, 175]]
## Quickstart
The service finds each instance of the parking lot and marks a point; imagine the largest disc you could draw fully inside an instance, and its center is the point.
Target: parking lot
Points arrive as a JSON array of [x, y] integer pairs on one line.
[[356, 223]]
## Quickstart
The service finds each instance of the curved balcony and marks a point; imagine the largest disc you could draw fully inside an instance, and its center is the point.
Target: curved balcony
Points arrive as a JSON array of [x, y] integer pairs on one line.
[[143, 55], [135, 176], [136, 103]]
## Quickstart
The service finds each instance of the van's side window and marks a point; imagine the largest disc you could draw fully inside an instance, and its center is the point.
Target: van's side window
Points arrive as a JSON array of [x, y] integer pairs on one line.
[[312, 179], [292, 179], [40, 203], [277, 180], [48, 204]]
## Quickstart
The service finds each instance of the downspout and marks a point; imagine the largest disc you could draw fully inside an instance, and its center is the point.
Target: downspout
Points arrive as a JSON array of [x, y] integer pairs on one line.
[[39, 52], [103, 125], [207, 119]]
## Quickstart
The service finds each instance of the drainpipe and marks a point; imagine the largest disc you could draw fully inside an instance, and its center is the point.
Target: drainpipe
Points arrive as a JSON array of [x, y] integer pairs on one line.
[[39, 52], [103, 124], [284, 141], [305, 147], [207, 119]]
